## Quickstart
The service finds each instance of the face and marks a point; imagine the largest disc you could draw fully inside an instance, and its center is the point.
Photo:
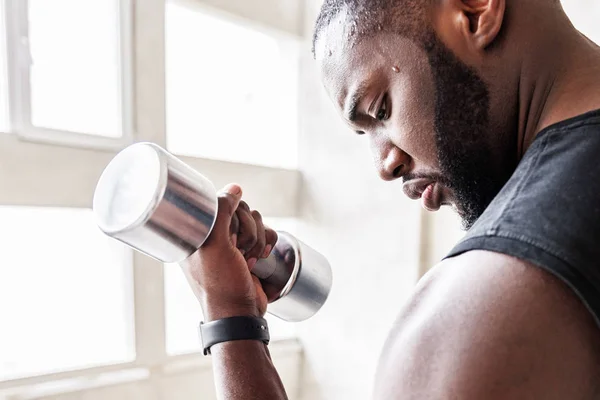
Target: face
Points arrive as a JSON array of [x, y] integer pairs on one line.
[[424, 113]]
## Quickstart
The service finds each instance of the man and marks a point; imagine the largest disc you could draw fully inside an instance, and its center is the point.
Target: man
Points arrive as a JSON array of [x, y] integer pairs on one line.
[[486, 106]]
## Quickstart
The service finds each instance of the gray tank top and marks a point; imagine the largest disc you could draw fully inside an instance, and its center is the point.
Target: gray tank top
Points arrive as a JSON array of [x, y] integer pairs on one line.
[[548, 213]]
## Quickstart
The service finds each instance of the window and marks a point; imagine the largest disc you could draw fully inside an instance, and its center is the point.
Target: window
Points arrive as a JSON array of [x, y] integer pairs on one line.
[[231, 90], [230, 99], [66, 290], [65, 293], [75, 77], [69, 73], [75, 304]]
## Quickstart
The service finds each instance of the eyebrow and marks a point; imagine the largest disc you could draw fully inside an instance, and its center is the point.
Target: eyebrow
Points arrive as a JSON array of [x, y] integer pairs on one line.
[[353, 100]]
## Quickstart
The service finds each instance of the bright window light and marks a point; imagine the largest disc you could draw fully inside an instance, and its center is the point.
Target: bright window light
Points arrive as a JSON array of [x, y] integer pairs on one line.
[[183, 312], [231, 90], [75, 76], [65, 300]]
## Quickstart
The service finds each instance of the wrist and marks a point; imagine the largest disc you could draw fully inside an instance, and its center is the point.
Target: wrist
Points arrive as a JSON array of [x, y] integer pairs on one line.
[[255, 347], [241, 328], [213, 311]]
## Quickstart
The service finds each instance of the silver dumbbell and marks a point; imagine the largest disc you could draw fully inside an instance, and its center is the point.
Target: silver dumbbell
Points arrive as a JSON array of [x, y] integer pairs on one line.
[[155, 203]]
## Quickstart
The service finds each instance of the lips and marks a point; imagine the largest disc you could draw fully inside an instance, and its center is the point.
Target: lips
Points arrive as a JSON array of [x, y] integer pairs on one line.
[[427, 190], [431, 198]]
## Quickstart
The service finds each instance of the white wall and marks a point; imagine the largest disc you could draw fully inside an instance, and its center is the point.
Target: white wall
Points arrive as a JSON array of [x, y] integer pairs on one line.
[[369, 232]]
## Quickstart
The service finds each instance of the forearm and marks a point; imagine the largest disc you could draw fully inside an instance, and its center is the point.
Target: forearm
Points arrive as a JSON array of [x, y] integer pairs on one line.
[[243, 368], [244, 371], [220, 276]]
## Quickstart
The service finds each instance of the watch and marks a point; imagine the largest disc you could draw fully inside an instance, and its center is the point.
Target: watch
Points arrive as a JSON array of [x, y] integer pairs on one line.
[[233, 328]]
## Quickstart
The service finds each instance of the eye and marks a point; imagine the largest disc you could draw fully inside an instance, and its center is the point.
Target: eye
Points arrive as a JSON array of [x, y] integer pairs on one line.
[[382, 113]]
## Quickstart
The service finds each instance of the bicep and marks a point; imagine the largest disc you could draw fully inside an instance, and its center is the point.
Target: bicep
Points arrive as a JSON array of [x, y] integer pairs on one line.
[[484, 325]]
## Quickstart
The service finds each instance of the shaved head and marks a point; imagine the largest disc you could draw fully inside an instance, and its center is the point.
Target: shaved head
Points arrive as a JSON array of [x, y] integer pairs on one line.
[[369, 17]]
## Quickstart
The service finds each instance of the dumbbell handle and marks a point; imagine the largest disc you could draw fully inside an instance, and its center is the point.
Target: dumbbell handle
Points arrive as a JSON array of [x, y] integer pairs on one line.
[[152, 201]]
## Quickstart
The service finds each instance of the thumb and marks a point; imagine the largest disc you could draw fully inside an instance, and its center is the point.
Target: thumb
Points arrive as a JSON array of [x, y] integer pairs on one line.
[[228, 200]]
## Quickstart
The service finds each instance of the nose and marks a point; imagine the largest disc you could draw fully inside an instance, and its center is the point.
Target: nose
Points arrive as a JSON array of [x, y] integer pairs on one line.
[[391, 162]]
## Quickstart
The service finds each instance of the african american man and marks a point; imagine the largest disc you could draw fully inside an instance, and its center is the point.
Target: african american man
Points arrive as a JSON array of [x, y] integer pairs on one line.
[[492, 108]]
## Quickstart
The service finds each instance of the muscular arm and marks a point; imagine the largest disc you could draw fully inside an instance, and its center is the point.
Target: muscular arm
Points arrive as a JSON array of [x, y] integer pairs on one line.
[[243, 370], [487, 326], [219, 275]]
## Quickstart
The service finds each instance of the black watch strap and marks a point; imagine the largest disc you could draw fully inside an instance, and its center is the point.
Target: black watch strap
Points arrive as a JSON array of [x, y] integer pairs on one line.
[[233, 328]]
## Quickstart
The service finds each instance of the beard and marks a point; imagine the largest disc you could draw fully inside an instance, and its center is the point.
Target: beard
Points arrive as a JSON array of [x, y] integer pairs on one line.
[[462, 126]]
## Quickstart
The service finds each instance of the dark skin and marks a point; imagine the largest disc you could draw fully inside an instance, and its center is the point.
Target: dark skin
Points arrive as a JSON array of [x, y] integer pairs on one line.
[[220, 276], [481, 325]]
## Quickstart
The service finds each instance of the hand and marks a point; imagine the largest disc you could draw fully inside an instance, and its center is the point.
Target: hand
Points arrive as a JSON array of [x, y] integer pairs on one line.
[[219, 272]]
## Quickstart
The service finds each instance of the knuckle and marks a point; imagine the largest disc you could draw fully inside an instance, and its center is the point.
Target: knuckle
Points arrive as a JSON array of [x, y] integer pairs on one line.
[[256, 215]]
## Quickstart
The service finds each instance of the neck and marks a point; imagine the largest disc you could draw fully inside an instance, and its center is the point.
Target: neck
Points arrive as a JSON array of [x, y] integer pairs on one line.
[[558, 79]]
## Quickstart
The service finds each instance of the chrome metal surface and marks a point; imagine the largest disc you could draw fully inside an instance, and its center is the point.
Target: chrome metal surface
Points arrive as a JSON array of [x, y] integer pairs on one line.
[[307, 275], [153, 202]]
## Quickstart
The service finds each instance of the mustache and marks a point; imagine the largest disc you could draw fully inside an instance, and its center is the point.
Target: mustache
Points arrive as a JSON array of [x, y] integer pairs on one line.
[[431, 176]]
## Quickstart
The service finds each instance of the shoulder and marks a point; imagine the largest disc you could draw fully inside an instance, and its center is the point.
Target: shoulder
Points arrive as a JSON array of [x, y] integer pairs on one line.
[[549, 211], [486, 325], [556, 179]]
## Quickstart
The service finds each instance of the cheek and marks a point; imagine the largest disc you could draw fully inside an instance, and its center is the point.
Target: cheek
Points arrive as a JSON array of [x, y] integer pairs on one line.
[[413, 116], [378, 146]]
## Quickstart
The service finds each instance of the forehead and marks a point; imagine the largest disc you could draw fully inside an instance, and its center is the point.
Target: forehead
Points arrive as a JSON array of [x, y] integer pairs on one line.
[[347, 61]]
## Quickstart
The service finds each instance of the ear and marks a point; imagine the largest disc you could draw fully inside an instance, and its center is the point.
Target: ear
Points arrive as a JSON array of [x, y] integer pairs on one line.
[[482, 21], [468, 26]]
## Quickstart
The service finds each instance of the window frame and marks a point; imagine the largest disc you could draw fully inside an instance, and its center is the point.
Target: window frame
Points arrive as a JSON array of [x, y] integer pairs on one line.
[[67, 171], [19, 71]]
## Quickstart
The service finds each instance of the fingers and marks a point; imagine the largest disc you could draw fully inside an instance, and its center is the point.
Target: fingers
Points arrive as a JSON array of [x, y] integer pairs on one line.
[[244, 227], [228, 200], [270, 240], [234, 228], [259, 247], [247, 233]]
